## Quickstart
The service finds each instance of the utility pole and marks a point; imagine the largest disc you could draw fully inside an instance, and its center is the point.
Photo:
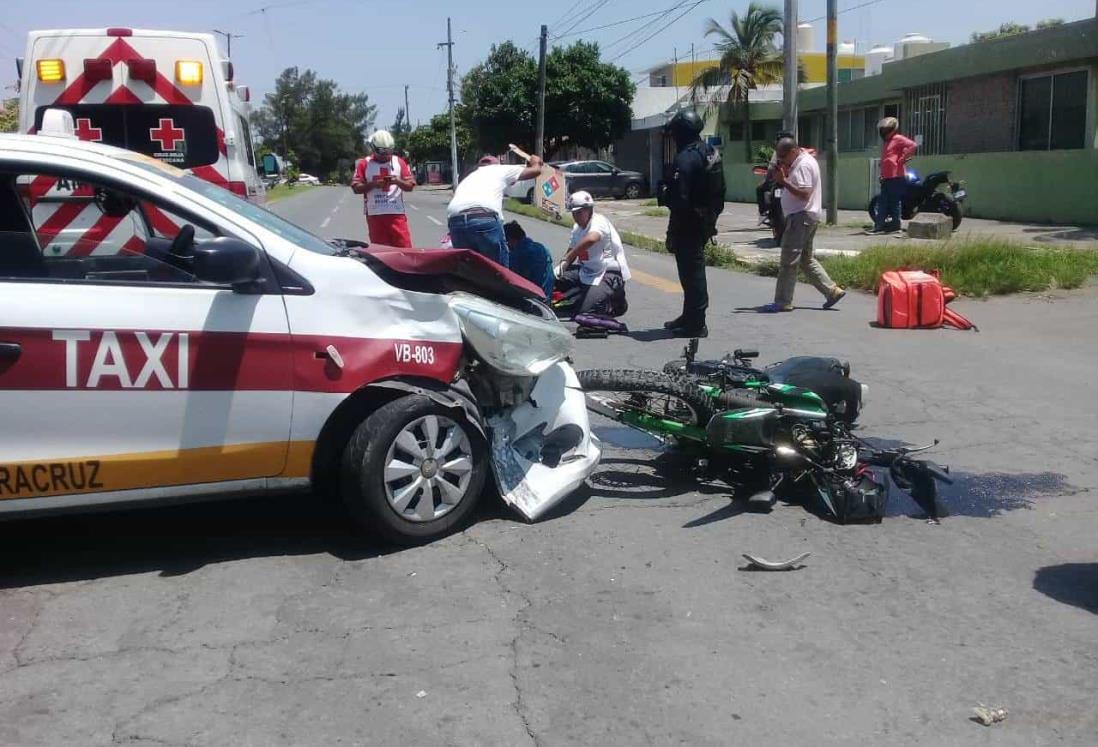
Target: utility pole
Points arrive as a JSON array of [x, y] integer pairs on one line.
[[539, 143], [789, 42], [693, 74], [675, 74], [831, 188], [407, 117], [229, 36], [449, 44]]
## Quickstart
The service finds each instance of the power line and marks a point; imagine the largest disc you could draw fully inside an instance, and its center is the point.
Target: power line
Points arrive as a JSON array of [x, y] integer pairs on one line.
[[847, 10], [573, 7], [595, 9], [659, 31], [615, 23], [637, 32]]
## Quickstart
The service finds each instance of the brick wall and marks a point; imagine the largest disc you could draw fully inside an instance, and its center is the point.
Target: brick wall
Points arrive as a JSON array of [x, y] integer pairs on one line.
[[980, 114]]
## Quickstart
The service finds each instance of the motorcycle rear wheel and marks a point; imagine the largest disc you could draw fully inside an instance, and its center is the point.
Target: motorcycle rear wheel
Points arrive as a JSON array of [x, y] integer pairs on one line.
[[941, 203]]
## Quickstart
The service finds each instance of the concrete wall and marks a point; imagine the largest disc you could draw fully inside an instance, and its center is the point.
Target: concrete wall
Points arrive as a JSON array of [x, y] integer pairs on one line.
[[1027, 186], [981, 114]]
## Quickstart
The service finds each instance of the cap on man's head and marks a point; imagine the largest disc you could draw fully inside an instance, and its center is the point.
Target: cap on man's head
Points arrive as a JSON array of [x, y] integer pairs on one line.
[[488, 161], [580, 200]]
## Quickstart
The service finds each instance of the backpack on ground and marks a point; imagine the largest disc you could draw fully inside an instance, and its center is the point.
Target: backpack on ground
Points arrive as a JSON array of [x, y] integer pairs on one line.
[[589, 323], [912, 299]]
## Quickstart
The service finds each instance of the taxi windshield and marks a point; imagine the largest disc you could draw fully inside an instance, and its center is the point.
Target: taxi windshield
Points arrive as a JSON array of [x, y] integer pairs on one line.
[[275, 224]]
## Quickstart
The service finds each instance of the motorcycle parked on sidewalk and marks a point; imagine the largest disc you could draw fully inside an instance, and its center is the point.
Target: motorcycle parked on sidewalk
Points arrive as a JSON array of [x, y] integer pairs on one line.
[[927, 196], [773, 217], [763, 434]]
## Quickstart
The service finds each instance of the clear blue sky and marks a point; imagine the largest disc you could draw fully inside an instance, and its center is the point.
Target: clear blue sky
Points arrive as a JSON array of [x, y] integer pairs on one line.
[[378, 46]]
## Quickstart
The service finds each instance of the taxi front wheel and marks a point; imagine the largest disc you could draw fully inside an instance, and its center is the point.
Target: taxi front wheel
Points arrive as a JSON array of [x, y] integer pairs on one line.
[[413, 471]]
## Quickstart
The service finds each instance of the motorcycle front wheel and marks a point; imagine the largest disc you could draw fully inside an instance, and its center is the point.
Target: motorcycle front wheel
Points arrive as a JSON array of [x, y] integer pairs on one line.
[[650, 401]]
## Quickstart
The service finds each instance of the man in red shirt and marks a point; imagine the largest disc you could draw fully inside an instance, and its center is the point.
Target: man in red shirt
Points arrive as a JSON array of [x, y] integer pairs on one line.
[[382, 179], [896, 151]]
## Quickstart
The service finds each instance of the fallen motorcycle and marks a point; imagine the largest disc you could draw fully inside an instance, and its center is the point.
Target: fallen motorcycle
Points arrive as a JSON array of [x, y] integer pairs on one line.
[[764, 434]]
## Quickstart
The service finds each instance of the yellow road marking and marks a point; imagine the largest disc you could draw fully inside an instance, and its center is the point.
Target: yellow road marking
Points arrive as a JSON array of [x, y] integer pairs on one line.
[[655, 281]]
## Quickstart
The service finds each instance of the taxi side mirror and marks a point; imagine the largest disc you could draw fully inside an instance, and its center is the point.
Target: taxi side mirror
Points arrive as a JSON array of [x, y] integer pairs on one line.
[[226, 261]]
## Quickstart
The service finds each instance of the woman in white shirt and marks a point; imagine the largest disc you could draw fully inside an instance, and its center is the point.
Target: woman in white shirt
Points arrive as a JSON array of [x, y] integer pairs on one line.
[[594, 271]]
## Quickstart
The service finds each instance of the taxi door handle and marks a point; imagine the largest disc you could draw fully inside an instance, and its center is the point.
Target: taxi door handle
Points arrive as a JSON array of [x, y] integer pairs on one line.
[[10, 351]]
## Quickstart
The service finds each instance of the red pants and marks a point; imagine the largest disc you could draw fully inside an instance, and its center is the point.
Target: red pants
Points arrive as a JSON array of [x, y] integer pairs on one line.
[[390, 230]]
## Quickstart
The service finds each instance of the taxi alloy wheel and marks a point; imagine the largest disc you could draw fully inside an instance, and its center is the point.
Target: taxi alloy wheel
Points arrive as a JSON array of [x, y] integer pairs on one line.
[[414, 470]]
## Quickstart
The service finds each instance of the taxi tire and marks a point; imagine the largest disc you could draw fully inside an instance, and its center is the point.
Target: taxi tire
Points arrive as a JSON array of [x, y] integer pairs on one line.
[[363, 467]]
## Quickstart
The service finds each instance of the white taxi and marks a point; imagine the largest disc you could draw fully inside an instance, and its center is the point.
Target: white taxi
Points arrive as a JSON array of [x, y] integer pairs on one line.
[[196, 345]]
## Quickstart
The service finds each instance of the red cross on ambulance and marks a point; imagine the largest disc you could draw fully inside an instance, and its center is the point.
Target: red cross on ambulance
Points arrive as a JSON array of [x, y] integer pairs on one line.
[[167, 134], [85, 131]]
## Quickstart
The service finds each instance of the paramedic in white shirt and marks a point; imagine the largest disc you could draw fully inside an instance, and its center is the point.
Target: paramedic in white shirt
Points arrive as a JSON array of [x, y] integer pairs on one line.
[[798, 175], [382, 179], [594, 270], [475, 214]]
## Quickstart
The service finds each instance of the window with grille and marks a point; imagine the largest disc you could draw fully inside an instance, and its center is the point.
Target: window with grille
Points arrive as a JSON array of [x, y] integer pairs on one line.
[[925, 118]]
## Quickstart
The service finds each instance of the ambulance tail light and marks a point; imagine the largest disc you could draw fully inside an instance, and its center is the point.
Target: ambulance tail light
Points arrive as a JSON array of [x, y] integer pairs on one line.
[[229, 71], [119, 31], [97, 70], [245, 93], [51, 70], [238, 188], [143, 70], [188, 72]]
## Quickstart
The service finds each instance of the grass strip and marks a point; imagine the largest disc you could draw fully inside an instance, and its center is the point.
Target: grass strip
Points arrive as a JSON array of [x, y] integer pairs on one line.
[[980, 266], [282, 191]]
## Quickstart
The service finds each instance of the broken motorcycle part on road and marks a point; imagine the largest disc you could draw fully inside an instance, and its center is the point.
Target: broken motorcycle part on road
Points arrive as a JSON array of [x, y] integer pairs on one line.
[[783, 565]]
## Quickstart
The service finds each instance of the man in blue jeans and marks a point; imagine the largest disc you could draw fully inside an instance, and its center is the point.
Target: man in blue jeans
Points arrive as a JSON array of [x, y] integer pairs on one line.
[[475, 213]]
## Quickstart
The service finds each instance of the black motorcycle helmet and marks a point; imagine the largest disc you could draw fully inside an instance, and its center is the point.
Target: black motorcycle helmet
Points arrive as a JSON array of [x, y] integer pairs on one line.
[[685, 127]]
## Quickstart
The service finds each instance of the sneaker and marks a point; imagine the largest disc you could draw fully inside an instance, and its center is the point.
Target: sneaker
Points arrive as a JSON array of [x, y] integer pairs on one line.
[[691, 331], [762, 219], [836, 296], [774, 308]]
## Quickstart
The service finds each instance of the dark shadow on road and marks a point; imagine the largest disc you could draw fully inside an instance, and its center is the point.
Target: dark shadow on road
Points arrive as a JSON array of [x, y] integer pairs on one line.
[[762, 310], [1071, 583], [665, 476], [732, 510], [177, 540], [650, 335], [984, 495], [1067, 233]]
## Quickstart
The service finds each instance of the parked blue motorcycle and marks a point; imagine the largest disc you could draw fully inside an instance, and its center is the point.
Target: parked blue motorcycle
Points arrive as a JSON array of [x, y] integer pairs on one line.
[[927, 196]]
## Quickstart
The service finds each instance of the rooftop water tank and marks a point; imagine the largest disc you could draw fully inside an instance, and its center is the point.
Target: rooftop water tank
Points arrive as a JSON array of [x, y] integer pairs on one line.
[[876, 58], [806, 37]]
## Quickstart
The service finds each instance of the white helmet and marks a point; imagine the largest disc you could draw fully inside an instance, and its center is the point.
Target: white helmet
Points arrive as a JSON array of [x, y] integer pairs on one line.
[[382, 140]]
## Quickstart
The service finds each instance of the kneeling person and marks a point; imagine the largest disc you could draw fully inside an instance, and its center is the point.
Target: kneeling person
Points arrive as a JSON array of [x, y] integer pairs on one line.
[[529, 258], [594, 270]]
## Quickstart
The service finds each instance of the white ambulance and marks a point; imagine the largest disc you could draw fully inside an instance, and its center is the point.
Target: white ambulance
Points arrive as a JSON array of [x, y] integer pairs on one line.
[[167, 94]]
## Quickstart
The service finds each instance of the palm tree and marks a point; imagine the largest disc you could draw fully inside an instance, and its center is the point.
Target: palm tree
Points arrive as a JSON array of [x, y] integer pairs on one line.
[[748, 59]]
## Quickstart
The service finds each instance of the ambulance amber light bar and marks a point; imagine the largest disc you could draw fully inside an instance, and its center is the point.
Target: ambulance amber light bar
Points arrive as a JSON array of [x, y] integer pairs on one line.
[[51, 70], [188, 72], [97, 70]]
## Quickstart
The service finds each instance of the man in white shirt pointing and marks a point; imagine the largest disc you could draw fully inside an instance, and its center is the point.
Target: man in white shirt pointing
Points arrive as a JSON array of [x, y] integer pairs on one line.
[[475, 213]]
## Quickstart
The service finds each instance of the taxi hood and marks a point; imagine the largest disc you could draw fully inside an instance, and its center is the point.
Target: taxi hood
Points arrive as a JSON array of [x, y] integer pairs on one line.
[[448, 270]]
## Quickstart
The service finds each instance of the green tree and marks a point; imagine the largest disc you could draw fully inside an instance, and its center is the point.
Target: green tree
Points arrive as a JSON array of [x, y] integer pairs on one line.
[[1013, 29], [587, 102], [315, 119], [431, 142], [400, 129], [499, 98], [748, 59], [9, 115]]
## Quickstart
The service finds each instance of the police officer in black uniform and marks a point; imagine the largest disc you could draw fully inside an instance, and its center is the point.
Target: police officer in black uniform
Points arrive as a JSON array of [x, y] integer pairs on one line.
[[693, 220]]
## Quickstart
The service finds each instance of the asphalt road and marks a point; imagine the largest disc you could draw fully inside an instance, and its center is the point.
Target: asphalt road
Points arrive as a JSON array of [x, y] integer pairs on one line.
[[627, 618]]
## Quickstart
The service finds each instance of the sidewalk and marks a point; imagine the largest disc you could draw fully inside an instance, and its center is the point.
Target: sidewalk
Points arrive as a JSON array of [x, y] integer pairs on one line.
[[738, 228]]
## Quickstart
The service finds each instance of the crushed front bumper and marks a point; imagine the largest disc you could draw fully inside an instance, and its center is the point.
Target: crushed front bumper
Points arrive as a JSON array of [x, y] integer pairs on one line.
[[542, 449]]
